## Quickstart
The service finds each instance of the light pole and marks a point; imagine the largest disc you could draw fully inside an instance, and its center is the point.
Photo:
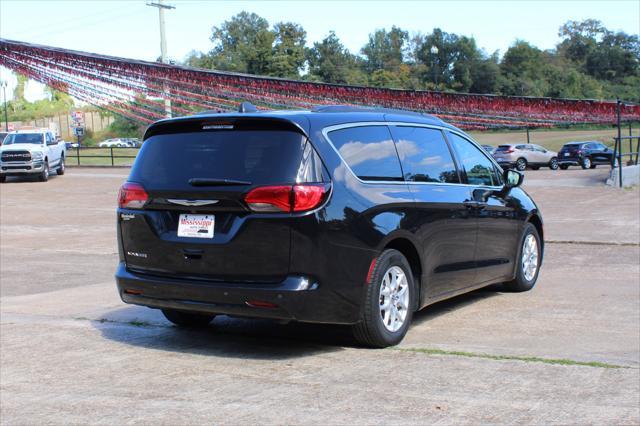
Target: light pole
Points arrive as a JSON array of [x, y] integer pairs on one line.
[[163, 50], [4, 84], [434, 60]]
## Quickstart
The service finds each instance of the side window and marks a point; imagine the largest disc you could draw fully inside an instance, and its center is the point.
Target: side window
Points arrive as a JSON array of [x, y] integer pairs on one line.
[[521, 147], [47, 138], [424, 155], [478, 168], [538, 148], [369, 151]]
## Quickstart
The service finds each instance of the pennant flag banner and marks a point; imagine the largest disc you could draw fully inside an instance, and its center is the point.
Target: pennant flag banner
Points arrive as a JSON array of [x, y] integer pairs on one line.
[[136, 89]]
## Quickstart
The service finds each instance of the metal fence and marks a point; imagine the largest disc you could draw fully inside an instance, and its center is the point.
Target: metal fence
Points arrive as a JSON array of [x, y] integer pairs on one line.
[[618, 150], [97, 156]]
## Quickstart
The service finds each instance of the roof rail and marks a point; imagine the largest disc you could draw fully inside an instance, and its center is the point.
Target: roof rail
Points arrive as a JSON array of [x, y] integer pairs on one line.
[[350, 108]]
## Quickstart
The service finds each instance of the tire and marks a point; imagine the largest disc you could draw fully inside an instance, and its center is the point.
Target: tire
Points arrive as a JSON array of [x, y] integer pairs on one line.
[[521, 164], [586, 163], [593, 166], [44, 175], [391, 276], [525, 278], [553, 164], [187, 319], [564, 166], [61, 167]]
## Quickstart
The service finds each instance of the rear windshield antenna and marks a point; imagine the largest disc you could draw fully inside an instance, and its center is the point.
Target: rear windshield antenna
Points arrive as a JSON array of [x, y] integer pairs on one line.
[[247, 107]]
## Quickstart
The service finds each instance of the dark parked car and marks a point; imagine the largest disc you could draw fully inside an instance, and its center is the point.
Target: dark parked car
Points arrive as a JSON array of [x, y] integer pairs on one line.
[[585, 154], [337, 215]]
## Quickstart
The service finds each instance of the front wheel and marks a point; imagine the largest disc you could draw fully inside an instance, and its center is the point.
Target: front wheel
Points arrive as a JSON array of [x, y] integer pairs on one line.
[[528, 261], [60, 170], [388, 304], [521, 164], [44, 175], [187, 319], [586, 163], [553, 164]]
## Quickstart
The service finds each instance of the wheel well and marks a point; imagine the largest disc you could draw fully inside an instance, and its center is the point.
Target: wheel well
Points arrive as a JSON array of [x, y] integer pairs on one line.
[[408, 249]]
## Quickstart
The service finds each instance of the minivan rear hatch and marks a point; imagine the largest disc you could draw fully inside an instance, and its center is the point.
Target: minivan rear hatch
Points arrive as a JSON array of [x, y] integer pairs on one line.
[[196, 222]]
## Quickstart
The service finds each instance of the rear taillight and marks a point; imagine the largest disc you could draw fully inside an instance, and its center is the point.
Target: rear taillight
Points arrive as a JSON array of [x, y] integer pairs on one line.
[[510, 150], [132, 196], [286, 198]]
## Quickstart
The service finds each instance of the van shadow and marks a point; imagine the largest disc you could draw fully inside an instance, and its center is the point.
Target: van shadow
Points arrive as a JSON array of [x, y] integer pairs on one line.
[[225, 336], [459, 302], [250, 338]]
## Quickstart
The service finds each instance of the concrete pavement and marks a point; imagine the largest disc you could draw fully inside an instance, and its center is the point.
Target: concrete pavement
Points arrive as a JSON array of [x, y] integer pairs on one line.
[[567, 352]]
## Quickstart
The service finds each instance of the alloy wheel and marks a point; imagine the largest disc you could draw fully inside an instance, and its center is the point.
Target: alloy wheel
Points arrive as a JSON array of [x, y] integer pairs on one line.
[[530, 257], [394, 298]]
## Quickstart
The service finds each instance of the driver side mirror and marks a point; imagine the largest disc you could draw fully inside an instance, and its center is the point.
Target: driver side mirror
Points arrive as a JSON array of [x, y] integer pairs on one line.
[[512, 178]]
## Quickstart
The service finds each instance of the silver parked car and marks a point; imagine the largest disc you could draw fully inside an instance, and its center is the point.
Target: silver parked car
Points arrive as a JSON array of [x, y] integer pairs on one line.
[[525, 155]]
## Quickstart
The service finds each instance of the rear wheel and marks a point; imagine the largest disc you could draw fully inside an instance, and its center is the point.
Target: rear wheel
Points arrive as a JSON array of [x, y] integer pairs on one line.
[[44, 175], [564, 166], [586, 163], [388, 304], [187, 319], [553, 164], [521, 164], [528, 261]]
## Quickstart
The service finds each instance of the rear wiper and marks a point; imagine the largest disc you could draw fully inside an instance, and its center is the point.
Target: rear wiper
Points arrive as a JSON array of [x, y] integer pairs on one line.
[[216, 182]]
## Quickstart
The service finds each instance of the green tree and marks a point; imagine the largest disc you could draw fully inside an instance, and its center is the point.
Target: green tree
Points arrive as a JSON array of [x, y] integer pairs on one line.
[[242, 44], [288, 55], [330, 62], [385, 50]]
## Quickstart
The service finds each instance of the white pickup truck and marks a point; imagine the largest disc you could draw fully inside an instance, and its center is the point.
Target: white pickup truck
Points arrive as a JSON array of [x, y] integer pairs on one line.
[[31, 152]]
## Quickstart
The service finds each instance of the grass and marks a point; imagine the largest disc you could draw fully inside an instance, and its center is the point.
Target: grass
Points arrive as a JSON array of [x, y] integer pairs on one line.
[[550, 139], [87, 156], [554, 361]]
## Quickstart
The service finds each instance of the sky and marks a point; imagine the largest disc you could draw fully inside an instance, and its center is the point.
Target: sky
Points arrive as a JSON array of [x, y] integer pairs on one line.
[[129, 28]]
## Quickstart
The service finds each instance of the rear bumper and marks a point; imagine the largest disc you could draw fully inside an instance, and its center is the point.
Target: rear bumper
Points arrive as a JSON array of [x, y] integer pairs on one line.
[[296, 298], [506, 164], [569, 161]]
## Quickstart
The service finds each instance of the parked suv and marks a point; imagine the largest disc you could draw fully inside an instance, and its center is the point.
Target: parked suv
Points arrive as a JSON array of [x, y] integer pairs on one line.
[[584, 154], [337, 215], [525, 155]]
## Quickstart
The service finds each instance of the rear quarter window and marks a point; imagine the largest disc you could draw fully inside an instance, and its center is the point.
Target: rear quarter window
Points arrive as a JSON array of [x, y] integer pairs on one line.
[[369, 152]]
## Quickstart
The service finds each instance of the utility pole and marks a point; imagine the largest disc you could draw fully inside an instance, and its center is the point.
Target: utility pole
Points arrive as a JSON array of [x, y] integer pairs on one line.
[[163, 51], [4, 85]]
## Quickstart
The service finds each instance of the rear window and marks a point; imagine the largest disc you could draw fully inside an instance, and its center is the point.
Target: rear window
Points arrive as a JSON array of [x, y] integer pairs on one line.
[[169, 161], [503, 148], [369, 151]]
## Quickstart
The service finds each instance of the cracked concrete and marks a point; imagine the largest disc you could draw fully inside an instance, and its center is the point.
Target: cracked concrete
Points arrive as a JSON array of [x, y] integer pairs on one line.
[[71, 352]]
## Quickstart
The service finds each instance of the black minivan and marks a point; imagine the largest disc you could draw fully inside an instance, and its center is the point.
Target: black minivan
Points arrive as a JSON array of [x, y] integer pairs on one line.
[[338, 215]]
